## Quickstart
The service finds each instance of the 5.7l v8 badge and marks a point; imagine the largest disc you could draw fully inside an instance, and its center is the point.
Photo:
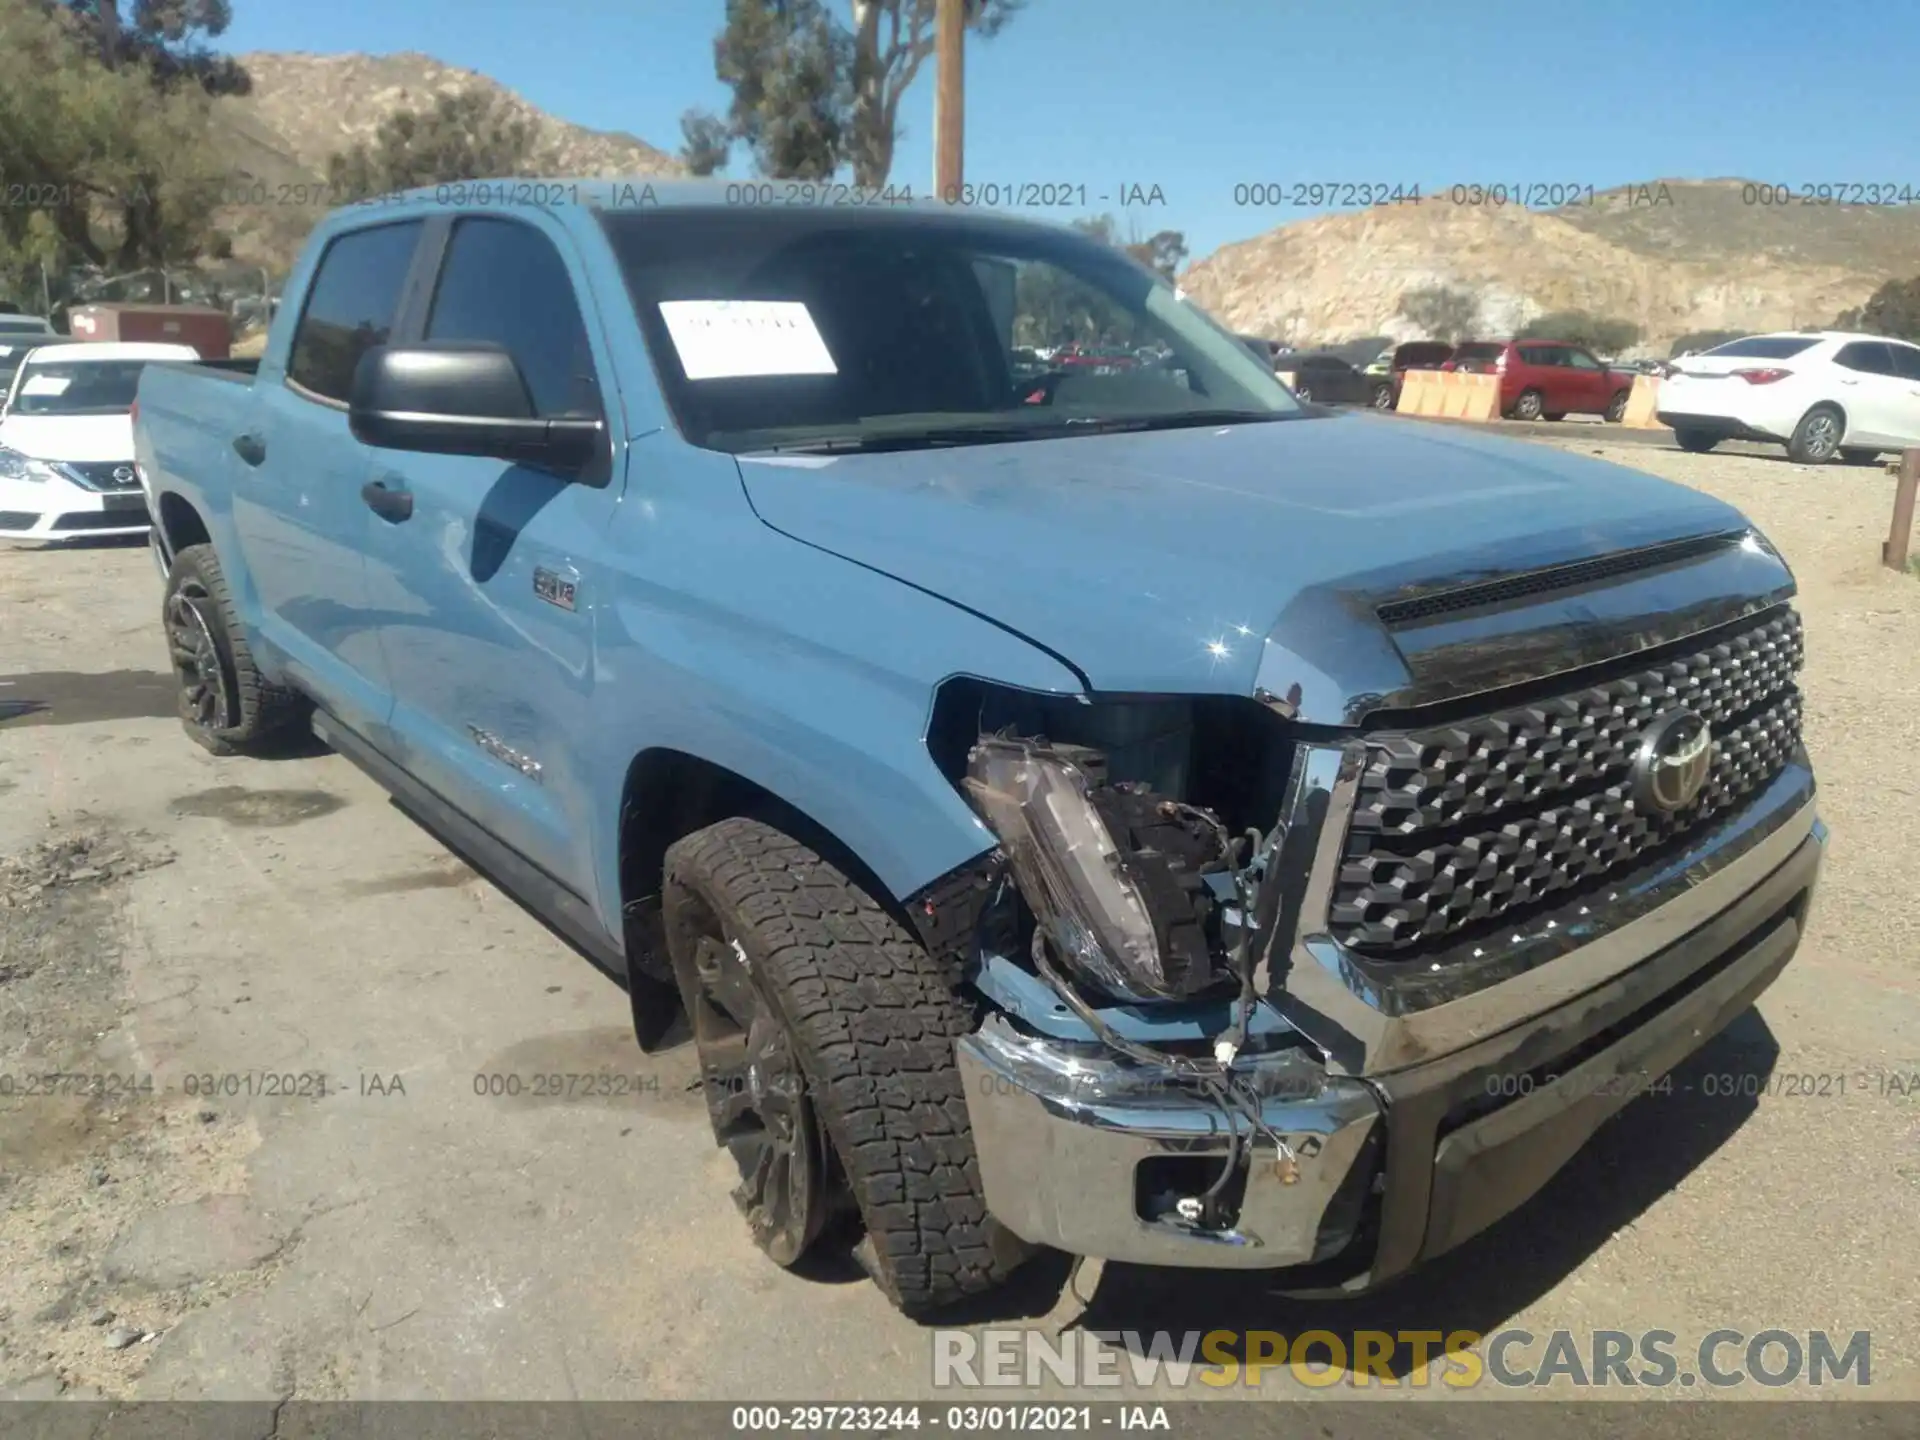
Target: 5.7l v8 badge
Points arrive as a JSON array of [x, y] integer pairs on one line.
[[556, 587]]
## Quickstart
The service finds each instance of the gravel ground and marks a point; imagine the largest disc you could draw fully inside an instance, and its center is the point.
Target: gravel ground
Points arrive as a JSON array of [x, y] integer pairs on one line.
[[402, 1235]]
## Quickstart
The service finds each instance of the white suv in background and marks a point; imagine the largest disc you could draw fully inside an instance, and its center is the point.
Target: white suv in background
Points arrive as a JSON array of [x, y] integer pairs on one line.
[[66, 441], [1821, 394]]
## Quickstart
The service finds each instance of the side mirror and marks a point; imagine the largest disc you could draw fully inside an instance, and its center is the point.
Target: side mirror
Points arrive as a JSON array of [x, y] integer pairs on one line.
[[456, 398]]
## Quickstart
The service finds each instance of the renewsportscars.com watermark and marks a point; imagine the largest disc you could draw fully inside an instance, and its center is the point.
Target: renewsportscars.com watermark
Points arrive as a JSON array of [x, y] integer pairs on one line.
[[1456, 1359]]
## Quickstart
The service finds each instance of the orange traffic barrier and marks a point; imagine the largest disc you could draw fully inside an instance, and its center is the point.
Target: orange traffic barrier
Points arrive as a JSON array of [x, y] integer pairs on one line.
[[1449, 395], [1416, 390], [1642, 404]]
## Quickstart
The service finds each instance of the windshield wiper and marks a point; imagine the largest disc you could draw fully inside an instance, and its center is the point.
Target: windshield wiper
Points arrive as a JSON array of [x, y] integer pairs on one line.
[[1009, 434], [1172, 420]]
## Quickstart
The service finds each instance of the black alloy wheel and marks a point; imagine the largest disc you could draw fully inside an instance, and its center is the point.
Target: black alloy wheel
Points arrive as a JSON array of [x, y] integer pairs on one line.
[[757, 1098], [205, 696]]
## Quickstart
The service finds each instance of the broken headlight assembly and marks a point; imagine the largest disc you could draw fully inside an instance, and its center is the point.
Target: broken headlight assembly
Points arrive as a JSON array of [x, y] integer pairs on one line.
[[1123, 882]]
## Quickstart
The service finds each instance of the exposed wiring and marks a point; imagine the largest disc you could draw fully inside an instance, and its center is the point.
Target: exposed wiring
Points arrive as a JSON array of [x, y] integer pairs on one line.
[[1213, 1077]]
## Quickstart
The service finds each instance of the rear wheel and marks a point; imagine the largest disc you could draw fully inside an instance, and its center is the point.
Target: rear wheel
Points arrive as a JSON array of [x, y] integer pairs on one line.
[[1303, 392], [1382, 398], [1816, 439], [224, 704], [1616, 410], [1698, 441], [825, 1033], [1529, 406]]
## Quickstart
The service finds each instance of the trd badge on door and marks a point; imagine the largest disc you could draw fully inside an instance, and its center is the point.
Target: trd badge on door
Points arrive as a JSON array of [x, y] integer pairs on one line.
[[555, 587]]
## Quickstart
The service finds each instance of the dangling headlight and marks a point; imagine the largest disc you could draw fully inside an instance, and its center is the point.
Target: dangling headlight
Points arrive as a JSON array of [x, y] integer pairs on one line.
[[1037, 800]]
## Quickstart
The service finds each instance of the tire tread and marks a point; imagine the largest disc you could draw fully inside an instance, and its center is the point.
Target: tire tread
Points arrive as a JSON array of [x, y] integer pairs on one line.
[[874, 1020]]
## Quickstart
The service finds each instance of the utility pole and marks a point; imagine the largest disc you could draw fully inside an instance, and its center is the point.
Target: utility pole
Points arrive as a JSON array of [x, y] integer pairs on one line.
[[949, 103]]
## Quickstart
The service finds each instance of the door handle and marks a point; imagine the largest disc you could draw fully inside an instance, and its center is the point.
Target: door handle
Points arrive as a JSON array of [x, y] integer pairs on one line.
[[1845, 381], [250, 448], [390, 505]]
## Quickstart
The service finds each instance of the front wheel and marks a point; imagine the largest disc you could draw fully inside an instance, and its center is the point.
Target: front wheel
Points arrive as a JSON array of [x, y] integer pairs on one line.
[[1382, 397], [1816, 439], [1529, 406], [825, 1033], [1303, 394], [224, 704]]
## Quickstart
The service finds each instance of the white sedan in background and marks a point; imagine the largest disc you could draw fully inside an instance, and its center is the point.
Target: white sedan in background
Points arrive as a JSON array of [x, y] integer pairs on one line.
[[1820, 394], [66, 441]]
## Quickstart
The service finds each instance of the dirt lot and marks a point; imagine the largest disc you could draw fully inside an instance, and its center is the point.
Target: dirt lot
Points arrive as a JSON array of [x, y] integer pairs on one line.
[[281, 1176]]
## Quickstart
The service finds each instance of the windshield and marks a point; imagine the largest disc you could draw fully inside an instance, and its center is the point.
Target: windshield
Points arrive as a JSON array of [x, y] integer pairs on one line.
[[811, 328], [77, 387]]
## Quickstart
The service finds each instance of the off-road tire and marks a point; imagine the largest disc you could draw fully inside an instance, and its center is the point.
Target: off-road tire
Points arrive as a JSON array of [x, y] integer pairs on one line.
[[1699, 442], [873, 1022], [1802, 448], [260, 718], [1529, 406], [1616, 410]]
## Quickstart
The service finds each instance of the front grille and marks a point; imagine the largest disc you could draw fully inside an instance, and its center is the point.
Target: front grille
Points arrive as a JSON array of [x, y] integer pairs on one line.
[[99, 474], [1460, 825]]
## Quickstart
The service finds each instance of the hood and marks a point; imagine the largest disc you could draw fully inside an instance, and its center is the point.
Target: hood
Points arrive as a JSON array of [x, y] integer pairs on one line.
[[1164, 561], [69, 437]]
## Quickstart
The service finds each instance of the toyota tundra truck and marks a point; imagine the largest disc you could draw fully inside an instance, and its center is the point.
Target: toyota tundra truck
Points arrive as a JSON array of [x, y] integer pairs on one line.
[[1132, 813]]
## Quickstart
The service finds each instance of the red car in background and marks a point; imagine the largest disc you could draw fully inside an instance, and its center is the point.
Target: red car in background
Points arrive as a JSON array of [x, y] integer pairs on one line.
[[1102, 360], [1546, 379]]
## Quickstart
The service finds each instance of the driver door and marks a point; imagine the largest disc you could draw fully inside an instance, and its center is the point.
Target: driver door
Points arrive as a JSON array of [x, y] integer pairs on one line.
[[487, 570], [1587, 388]]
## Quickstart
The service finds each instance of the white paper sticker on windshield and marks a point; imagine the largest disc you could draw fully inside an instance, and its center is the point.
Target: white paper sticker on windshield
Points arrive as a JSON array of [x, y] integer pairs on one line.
[[45, 385], [729, 339]]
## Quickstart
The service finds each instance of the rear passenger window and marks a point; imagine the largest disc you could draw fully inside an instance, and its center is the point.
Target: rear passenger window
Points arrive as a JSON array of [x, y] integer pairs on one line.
[[1906, 361], [1869, 357], [503, 282], [351, 306]]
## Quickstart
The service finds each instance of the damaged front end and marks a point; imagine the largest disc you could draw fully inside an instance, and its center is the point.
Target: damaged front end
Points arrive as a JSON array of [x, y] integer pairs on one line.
[[1328, 989], [1133, 1096]]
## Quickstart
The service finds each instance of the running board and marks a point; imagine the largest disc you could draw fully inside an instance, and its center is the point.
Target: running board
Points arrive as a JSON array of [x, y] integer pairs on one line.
[[550, 900]]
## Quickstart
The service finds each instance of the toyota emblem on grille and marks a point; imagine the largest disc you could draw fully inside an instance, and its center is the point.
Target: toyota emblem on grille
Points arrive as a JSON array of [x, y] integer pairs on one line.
[[123, 474], [1671, 766]]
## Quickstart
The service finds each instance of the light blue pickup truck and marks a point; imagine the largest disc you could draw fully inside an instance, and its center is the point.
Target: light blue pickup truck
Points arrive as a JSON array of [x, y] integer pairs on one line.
[[1120, 809]]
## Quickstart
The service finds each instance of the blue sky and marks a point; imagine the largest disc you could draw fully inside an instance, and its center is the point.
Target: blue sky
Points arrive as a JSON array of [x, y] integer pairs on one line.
[[1201, 97]]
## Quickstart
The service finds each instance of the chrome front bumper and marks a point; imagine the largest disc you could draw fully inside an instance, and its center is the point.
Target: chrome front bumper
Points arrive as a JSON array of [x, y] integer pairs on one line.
[[1062, 1136]]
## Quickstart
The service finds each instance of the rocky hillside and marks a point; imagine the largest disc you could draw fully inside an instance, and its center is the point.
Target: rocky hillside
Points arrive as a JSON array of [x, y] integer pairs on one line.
[[1672, 256], [305, 108]]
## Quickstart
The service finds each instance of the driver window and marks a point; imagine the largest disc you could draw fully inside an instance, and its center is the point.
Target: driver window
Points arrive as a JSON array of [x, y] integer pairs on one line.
[[1074, 329]]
